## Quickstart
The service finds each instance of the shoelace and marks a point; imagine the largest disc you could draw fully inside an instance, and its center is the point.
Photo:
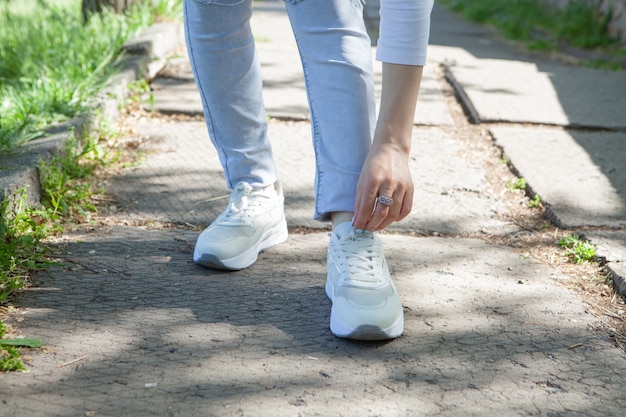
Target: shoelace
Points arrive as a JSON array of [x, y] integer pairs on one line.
[[241, 204], [362, 261]]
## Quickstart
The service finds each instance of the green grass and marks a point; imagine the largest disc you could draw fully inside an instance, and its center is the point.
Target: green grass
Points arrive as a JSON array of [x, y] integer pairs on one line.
[[64, 179], [20, 251], [581, 26], [68, 187], [67, 179], [540, 25], [9, 356], [517, 184], [578, 250], [52, 64], [10, 359], [535, 202], [20, 254]]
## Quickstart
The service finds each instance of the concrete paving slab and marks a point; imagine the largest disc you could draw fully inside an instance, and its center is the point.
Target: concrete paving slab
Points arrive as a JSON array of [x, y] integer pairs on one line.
[[611, 250], [502, 82], [541, 93], [284, 89], [171, 95], [579, 174], [181, 180], [132, 327]]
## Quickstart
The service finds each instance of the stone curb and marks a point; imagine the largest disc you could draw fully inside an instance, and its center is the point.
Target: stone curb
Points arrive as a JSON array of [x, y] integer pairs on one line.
[[146, 56]]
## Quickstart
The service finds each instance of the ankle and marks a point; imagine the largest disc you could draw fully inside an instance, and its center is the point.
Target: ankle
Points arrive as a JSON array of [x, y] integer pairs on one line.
[[339, 217]]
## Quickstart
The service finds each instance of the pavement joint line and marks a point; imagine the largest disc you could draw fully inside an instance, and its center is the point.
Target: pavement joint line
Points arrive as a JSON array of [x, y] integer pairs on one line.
[[473, 117], [463, 99], [551, 215]]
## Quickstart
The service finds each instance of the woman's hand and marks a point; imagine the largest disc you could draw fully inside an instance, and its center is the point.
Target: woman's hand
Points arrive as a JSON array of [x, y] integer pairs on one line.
[[385, 171]]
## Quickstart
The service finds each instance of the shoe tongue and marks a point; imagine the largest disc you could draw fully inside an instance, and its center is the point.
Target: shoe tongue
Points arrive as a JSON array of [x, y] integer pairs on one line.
[[344, 229]]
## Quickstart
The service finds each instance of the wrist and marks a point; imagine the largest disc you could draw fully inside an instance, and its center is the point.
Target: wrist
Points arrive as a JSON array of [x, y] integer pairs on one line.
[[398, 140]]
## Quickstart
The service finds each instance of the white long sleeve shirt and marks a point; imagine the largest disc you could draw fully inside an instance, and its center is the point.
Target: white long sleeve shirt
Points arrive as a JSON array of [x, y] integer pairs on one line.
[[404, 31]]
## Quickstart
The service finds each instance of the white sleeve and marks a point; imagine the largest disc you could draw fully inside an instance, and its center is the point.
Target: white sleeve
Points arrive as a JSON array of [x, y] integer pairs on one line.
[[404, 31]]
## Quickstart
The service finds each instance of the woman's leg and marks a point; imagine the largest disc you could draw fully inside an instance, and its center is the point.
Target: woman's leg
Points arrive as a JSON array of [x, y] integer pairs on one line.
[[337, 60], [227, 71], [228, 74]]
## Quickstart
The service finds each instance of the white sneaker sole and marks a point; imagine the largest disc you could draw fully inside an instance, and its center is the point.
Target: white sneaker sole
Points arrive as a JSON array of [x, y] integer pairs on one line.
[[274, 236], [364, 331]]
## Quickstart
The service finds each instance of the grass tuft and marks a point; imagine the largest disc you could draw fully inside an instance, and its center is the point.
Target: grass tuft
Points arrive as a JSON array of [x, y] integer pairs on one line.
[[20, 255], [20, 251], [542, 26], [578, 250], [52, 63], [517, 184]]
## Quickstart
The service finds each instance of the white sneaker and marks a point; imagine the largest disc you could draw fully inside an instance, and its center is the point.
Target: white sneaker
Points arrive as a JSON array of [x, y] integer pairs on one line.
[[253, 221], [366, 304]]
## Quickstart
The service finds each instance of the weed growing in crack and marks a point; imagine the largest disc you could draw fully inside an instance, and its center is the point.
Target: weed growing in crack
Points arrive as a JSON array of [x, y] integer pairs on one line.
[[517, 184], [535, 202], [578, 250]]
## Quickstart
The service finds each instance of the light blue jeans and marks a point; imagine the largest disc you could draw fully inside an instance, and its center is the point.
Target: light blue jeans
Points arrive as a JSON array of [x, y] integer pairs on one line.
[[336, 57]]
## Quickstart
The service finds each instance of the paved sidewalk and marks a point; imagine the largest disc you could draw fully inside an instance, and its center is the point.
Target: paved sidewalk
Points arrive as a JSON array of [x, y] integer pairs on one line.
[[562, 127], [134, 328]]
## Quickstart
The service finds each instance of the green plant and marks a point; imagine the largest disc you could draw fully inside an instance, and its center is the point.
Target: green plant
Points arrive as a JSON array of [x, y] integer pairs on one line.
[[580, 251], [10, 359], [604, 64], [541, 45], [52, 63], [10, 353], [583, 26], [65, 179], [517, 184], [542, 26], [535, 202], [167, 9], [20, 251], [137, 89]]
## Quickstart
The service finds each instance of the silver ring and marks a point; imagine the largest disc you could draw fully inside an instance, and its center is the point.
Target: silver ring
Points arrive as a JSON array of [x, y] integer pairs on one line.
[[385, 200]]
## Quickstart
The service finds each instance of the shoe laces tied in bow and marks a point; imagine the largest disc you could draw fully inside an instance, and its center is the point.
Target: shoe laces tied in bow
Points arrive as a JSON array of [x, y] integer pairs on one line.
[[244, 201]]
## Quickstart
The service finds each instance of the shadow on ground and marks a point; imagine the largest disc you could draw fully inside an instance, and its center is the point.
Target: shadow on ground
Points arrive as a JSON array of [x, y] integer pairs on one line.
[[159, 334]]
